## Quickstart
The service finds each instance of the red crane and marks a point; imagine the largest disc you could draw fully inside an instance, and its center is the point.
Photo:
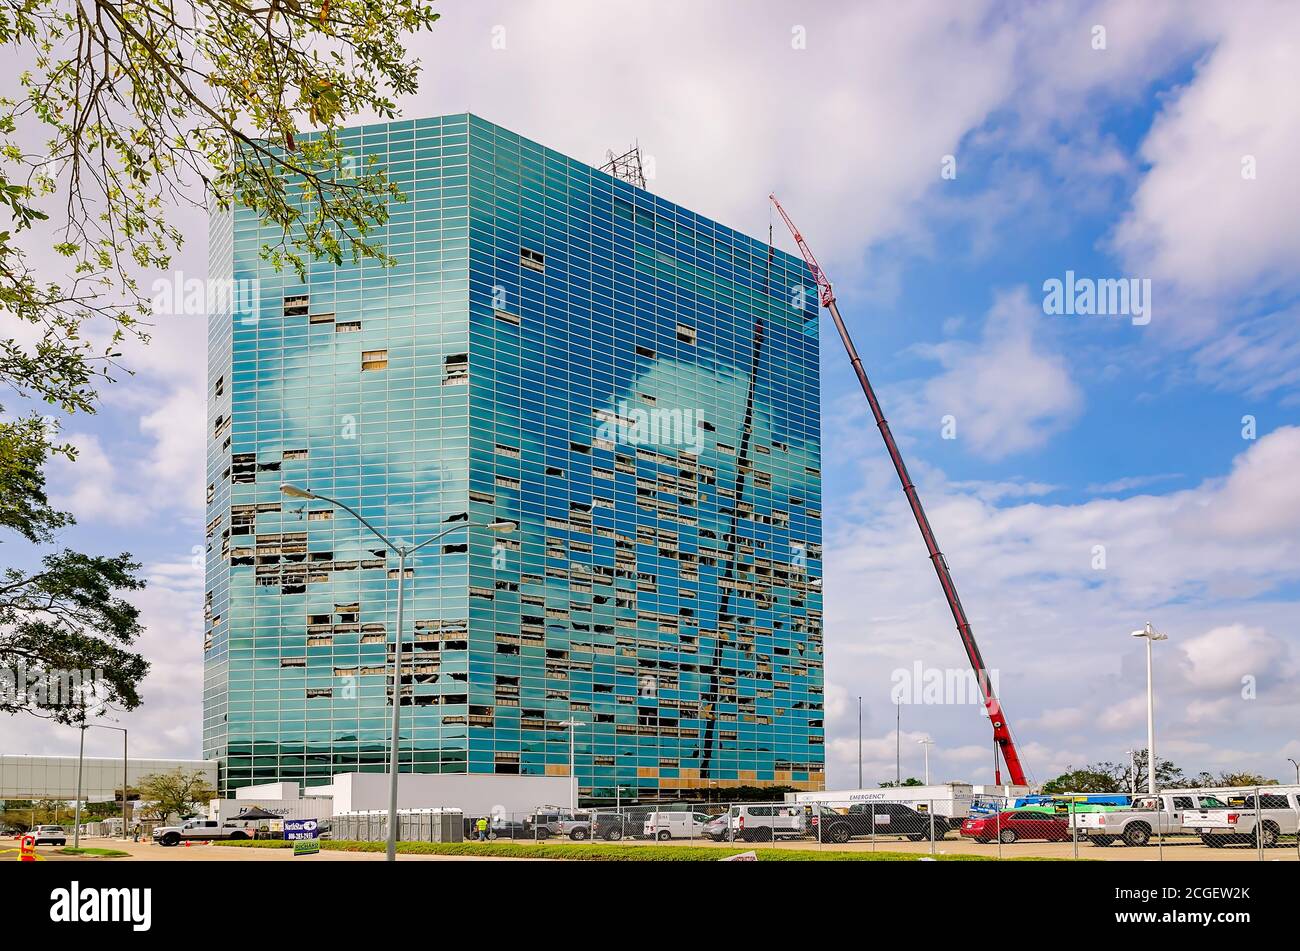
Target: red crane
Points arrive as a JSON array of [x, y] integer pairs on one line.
[[1001, 732]]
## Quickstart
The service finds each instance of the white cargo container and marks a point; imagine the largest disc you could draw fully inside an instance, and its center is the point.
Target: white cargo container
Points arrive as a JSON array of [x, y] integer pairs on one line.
[[950, 799], [310, 807]]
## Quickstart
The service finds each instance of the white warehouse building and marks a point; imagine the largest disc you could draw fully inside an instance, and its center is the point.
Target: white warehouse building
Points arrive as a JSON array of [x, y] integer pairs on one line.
[[55, 777]]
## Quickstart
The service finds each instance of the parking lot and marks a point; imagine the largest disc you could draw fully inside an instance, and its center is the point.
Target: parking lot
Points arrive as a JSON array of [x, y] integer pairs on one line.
[[931, 826], [1174, 849], [1172, 826], [1179, 848], [147, 851]]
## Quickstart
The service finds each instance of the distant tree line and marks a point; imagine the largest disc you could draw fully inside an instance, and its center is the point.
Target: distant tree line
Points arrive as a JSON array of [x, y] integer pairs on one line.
[[1108, 777]]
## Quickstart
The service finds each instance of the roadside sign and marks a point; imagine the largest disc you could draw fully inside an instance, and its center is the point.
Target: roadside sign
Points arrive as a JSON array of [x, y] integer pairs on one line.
[[295, 829], [305, 835], [741, 857], [27, 852]]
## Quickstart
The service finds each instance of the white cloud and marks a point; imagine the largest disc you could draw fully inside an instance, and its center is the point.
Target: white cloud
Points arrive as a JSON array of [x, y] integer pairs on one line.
[[849, 131], [1057, 630], [1128, 483], [1008, 392], [1123, 715], [1257, 356], [175, 468], [117, 481], [1221, 657], [1259, 501], [1009, 489], [88, 486], [1060, 719], [1196, 221], [169, 723]]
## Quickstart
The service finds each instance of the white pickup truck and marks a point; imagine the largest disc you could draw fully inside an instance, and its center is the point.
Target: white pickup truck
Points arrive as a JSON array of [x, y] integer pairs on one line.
[[1238, 821], [200, 830], [1163, 814]]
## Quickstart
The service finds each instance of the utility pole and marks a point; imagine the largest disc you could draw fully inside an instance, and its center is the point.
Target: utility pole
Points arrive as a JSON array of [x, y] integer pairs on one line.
[[573, 725], [859, 742], [898, 744], [402, 551], [125, 761], [926, 742], [1151, 635], [81, 758]]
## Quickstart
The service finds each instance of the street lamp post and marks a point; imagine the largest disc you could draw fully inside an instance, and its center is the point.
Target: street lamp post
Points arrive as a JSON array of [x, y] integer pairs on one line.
[[898, 742], [123, 731], [81, 756], [1151, 635], [573, 772], [859, 742], [402, 552], [926, 743], [1297, 769]]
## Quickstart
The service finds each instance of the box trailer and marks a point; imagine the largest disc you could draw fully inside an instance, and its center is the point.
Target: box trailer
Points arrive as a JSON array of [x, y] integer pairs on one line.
[[310, 807], [952, 800]]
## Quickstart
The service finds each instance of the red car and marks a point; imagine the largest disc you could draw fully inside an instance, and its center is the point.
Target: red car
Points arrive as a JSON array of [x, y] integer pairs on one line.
[[1013, 826]]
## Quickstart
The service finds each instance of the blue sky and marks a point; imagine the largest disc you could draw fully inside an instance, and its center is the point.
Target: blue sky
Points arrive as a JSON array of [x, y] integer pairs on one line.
[[1123, 160]]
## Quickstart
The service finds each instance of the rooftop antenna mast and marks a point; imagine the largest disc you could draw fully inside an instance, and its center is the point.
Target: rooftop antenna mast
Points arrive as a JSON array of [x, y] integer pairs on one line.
[[626, 167]]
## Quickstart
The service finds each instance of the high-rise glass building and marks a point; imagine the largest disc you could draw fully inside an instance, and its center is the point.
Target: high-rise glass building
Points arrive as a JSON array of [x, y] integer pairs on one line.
[[636, 386]]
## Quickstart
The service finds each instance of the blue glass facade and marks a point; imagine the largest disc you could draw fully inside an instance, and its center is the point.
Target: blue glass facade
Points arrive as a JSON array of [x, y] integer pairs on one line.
[[634, 385]]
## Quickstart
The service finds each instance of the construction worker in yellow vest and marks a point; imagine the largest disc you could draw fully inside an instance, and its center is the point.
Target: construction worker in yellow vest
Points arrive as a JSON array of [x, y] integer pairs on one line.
[[482, 826]]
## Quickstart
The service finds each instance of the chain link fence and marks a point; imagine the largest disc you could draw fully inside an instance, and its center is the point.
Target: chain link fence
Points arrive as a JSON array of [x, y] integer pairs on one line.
[[1197, 825]]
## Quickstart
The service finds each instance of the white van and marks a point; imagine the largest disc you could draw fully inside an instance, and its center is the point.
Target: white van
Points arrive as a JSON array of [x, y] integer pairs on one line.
[[764, 822], [674, 825]]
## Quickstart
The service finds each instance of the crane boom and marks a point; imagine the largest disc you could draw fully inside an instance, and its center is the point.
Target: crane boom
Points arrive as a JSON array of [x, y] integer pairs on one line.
[[1001, 731]]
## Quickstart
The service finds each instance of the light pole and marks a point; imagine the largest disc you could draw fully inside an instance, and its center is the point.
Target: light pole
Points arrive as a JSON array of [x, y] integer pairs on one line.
[[573, 772], [859, 742], [1151, 635], [81, 756], [898, 742], [926, 743], [402, 551], [1297, 769], [122, 730]]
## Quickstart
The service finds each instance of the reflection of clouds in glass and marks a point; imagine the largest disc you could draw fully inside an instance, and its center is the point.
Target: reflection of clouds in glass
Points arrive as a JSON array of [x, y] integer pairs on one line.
[[435, 484]]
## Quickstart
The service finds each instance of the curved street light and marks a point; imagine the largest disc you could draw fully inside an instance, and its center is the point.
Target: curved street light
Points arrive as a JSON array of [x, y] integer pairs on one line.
[[1151, 635], [289, 490], [926, 743]]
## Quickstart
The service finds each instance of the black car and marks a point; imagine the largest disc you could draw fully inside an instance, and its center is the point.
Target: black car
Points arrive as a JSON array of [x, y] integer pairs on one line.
[[505, 829], [877, 818], [610, 826]]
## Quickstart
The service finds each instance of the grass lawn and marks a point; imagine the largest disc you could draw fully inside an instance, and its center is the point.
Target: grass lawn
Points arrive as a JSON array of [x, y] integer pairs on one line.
[[611, 853], [100, 853]]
